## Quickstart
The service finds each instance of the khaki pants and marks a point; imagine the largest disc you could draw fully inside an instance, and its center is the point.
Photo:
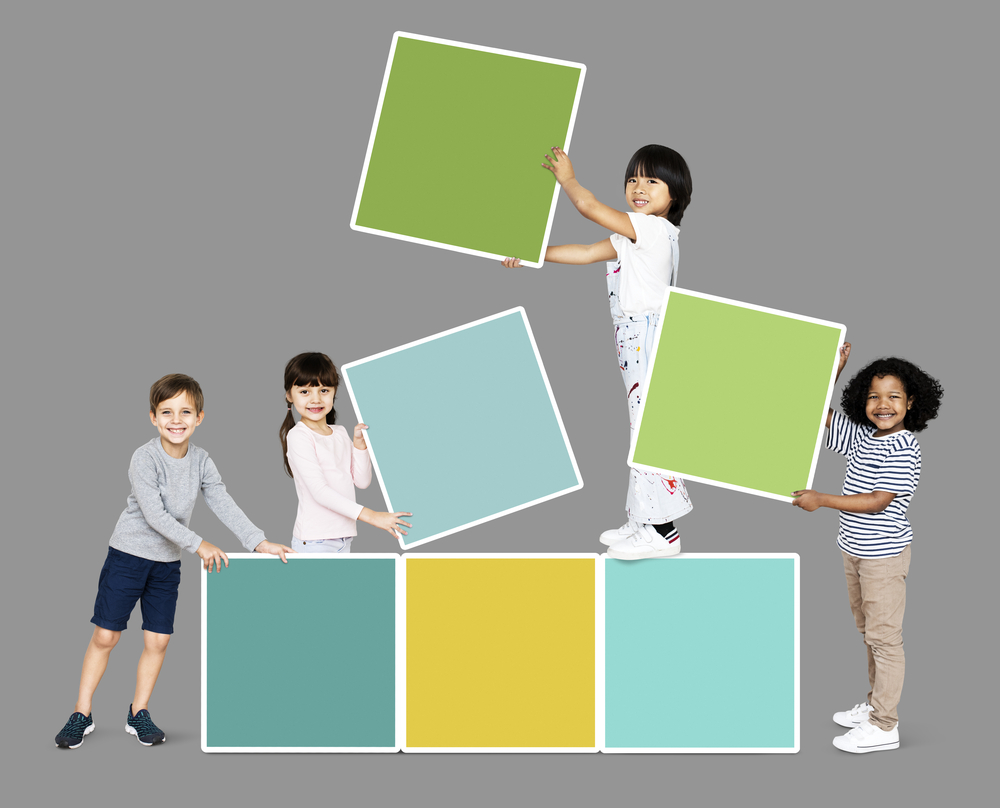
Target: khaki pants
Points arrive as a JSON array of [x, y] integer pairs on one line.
[[876, 588]]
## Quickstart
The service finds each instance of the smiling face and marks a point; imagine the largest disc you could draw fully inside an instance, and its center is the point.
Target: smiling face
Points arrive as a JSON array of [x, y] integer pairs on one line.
[[648, 195], [887, 404], [312, 404], [175, 419]]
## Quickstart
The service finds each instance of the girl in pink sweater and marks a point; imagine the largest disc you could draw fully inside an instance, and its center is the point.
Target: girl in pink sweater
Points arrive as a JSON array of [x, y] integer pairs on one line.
[[326, 462]]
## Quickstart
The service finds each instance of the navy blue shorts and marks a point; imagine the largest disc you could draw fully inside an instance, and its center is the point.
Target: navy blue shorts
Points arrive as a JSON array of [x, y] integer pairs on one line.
[[125, 579]]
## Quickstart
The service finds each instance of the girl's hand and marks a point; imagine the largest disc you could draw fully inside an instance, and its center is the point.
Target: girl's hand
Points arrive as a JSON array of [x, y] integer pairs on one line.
[[273, 549], [385, 521], [209, 553], [561, 166], [359, 437], [511, 263], [807, 500], [845, 351]]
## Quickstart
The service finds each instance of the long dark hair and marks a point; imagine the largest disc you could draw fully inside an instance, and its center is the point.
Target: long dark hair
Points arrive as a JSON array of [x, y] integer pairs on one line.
[[668, 166], [306, 370]]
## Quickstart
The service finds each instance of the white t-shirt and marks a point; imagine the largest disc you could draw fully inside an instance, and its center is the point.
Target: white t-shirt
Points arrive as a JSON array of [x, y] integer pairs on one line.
[[649, 266]]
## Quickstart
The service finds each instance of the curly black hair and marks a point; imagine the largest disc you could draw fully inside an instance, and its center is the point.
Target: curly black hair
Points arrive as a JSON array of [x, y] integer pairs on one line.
[[925, 390]]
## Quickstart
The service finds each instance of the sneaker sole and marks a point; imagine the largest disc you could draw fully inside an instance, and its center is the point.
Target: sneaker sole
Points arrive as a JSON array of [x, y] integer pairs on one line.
[[86, 732], [132, 731], [668, 553], [854, 750]]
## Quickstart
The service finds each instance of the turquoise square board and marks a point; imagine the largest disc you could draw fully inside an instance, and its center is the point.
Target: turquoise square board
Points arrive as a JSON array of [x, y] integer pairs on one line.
[[698, 648], [455, 153], [300, 657], [463, 426], [736, 395]]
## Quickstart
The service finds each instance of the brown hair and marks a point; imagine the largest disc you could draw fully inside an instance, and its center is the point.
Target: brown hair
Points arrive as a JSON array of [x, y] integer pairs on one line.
[[306, 370], [172, 385]]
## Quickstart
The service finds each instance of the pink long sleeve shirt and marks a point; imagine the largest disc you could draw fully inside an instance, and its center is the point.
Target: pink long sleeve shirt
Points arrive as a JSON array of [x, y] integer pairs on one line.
[[326, 469]]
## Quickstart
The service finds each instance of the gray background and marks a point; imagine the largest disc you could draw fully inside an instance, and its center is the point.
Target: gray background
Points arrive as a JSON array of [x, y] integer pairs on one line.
[[177, 181]]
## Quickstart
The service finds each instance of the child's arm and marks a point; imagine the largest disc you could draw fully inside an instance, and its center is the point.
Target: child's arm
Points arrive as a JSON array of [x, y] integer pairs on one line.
[[583, 200], [361, 463], [384, 520], [573, 254], [306, 468], [845, 352], [380, 519], [146, 490], [874, 502], [231, 515]]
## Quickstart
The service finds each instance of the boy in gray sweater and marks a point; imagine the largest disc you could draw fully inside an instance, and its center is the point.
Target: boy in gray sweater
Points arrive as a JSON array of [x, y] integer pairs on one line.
[[144, 557]]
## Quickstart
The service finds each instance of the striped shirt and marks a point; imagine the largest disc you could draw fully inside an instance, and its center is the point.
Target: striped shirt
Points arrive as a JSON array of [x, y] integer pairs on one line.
[[890, 463]]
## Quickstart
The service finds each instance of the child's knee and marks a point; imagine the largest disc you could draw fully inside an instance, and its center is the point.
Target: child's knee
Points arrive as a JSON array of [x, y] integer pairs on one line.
[[156, 642], [105, 638]]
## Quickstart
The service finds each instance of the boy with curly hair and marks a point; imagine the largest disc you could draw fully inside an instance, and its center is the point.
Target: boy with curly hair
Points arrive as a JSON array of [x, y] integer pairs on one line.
[[884, 404]]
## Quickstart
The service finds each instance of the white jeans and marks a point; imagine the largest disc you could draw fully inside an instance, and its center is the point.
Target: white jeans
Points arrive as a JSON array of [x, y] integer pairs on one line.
[[323, 545], [652, 498]]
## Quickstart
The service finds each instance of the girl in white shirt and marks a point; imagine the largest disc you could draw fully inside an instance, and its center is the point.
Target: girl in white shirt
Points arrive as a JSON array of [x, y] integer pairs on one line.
[[326, 462], [643, 246]]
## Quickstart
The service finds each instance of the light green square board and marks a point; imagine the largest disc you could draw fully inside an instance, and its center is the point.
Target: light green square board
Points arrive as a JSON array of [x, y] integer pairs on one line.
[[736, 395], [454, 159]]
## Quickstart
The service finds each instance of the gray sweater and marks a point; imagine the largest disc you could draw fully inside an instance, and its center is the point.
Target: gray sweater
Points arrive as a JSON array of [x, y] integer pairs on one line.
[[154, 525]]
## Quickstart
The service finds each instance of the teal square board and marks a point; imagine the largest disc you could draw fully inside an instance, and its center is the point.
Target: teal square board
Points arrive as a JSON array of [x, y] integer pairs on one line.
[[455, 153], [736, 395], [463, 426], [698, 648], [300, 657]]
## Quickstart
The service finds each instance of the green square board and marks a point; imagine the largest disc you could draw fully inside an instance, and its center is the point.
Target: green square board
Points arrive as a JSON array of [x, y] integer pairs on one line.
[[448, 417], [716, 639], [454, 159], [736, 395], [300, 657]]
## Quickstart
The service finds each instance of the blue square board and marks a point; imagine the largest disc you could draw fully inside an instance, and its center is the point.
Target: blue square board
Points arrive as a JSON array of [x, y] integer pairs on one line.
[[301, 657], [715, 639], [463, 426]]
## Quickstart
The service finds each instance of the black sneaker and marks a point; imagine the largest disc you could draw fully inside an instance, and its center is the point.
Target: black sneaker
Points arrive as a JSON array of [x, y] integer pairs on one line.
[[143, 728], [77, 728]]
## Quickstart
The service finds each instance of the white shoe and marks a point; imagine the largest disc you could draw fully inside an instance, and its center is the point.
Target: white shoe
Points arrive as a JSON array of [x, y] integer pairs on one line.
[[645, 543], [854, 716], [866, 737], [610, 537]]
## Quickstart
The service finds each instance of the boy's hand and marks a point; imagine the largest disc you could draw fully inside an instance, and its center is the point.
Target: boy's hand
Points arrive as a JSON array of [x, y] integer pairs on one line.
[[807, 500], [208, 553], [511, 263], [385, 521], [561, 166], [273, 549], [359, 436]]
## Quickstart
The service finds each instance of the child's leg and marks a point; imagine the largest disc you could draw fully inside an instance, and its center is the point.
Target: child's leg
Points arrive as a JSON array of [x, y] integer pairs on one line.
[[158, 604], [857, 609], [881, 586], [150, 662], [652, 498], [95, 662]]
